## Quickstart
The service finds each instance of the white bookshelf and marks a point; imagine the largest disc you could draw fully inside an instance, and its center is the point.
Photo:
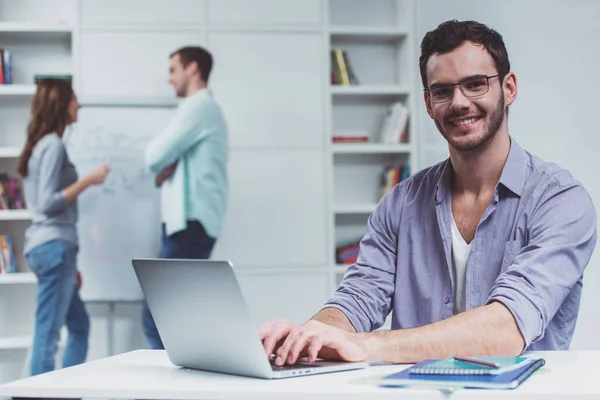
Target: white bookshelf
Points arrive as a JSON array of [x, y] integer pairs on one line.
[[15, 343], [367, 33], [15, 215], [10, 152], [365, 208], [39, 36], [371, 148], [378, 40], [31, 27], [17, 278], [369, 90], [340, 269], [17, 90]]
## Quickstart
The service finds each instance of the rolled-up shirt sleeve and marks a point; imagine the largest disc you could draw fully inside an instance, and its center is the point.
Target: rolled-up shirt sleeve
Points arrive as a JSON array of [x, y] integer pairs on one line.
[[365, 294], [562, 238]]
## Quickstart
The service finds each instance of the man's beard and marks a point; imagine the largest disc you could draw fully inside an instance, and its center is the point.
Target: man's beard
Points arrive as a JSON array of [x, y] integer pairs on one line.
[[489, 130]]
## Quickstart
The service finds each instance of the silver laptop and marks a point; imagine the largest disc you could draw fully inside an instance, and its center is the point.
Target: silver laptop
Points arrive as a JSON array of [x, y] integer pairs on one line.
[[204, 322]]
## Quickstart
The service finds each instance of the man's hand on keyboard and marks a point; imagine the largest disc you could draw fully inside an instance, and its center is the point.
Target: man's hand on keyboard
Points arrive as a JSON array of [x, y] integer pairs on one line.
[[313, 340]]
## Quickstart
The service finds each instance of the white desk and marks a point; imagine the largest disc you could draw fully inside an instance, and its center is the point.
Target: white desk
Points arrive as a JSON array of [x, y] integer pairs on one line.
[[148, 374]]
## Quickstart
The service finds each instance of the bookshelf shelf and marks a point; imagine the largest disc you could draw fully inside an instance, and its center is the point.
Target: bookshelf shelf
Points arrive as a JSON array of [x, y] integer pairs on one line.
[[10, 152], [23, 27], [373, 49], [366, 208], [369, 90], [367, 33], [15, 343], [17, 90], [15, 215], [17, 278], [371, 148], [341, 268]]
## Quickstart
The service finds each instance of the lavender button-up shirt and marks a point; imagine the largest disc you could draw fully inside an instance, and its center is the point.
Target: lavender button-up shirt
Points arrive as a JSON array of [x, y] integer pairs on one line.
[[530, 249]]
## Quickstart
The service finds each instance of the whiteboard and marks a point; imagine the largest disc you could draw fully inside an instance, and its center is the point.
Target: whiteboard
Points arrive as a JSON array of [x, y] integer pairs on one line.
[[119, 220]]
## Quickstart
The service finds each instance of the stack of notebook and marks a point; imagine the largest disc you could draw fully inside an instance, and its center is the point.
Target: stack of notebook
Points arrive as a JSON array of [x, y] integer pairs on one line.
[[467, 372]]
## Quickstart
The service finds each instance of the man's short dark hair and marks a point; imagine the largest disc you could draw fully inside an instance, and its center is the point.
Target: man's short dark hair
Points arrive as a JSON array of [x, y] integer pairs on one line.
[[199, 55], [451, 34]]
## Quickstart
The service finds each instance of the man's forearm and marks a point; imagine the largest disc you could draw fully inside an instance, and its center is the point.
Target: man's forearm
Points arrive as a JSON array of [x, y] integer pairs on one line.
[[489, 330], [334, 317]]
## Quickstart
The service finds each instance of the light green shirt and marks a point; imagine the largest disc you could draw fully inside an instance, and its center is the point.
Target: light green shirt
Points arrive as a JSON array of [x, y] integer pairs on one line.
[[197, 139]]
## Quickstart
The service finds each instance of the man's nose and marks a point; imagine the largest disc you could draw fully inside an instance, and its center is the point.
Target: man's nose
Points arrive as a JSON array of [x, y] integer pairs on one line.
[[459, 100]]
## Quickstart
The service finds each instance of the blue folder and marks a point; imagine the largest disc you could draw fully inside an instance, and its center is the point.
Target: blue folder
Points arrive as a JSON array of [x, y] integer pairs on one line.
[[507, 380]]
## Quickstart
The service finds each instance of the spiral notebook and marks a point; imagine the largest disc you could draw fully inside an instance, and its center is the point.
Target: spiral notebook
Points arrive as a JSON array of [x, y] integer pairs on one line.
[[507, 380], [451, 366]]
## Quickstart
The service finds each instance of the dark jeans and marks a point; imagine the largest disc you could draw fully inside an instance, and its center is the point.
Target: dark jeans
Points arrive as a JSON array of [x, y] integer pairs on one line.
[[191, 243]]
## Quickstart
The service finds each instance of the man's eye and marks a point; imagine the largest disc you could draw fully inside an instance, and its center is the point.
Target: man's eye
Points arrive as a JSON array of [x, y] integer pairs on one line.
[[443, 91]]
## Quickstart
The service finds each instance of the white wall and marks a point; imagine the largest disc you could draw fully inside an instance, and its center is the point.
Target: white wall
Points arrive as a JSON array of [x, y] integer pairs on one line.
[[553, 49]]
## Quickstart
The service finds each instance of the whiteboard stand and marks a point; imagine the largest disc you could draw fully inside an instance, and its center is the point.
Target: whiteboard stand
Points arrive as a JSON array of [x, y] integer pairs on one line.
[[110, 333], [110, 321]]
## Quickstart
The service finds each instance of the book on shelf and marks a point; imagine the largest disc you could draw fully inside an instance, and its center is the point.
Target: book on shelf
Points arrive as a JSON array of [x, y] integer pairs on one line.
[[5, 67], [37, 78], [391, 176], [11, 193], [342, 72], [7, 255], [350, 138], [394, 127]]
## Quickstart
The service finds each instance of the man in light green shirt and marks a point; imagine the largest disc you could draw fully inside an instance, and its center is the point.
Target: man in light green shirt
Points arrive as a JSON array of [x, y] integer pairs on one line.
[[189, 159]]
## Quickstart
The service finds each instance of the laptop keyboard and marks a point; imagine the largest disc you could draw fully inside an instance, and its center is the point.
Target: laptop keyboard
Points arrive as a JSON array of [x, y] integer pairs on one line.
[[295, 366]]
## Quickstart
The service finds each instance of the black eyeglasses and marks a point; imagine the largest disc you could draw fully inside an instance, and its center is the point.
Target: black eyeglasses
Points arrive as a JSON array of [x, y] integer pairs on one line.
[[473, 86]]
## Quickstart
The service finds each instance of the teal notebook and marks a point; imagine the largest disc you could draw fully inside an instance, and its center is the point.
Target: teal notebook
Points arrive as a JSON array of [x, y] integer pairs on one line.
[[450, 366], [507, 380]]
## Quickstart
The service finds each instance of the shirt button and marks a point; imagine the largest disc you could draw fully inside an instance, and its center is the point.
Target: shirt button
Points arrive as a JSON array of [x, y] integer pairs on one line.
[[447, 300]]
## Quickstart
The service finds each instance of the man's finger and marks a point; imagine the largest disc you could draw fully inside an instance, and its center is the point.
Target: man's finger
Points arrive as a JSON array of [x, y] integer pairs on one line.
[[264, 330], [300, 341], [278, 333], [314, 347], [283, 351]]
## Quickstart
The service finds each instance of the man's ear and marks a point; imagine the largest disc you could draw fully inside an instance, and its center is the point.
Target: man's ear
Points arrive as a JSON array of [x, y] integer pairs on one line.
[[509, 87], [192, 68]]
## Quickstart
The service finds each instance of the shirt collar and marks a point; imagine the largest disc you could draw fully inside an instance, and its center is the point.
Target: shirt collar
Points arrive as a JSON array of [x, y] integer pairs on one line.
[[515, 169], [199, 95], [512, 177]]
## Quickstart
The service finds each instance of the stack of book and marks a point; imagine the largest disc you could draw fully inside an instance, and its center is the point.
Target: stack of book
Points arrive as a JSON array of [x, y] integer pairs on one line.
[[347, 254]]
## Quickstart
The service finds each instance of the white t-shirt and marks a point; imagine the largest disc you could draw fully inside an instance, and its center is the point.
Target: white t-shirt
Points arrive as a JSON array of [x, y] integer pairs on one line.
[[460, 256]]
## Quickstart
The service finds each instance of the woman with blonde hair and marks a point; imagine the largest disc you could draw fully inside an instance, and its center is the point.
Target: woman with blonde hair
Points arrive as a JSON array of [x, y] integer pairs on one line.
[[51, 187]]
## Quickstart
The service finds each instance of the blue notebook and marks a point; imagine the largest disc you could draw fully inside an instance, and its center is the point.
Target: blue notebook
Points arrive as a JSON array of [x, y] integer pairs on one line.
[[452, 366], [506, 380]]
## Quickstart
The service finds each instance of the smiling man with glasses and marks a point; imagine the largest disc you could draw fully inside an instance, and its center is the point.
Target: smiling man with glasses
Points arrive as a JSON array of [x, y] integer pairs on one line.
[[481, 254]]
